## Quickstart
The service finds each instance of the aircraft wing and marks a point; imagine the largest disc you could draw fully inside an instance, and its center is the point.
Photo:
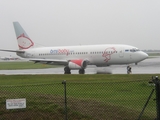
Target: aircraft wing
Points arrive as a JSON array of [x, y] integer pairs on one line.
[[50, 61]]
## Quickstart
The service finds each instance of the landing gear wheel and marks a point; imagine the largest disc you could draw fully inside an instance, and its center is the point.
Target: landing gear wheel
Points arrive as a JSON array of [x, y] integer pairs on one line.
[[81, 71], [67, 70]]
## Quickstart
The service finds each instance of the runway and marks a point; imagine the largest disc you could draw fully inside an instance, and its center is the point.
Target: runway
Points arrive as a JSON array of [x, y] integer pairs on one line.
[[148, 66]]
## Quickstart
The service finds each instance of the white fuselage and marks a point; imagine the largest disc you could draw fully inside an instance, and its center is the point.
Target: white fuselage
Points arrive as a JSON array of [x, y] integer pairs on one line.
[[75, 57], [99, 55]]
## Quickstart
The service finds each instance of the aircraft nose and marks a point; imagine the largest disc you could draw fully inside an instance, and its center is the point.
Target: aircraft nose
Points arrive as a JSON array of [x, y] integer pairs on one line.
[[144, 55]]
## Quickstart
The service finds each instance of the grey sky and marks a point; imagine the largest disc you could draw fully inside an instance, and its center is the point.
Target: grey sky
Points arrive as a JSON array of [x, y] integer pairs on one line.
[[82, 22]]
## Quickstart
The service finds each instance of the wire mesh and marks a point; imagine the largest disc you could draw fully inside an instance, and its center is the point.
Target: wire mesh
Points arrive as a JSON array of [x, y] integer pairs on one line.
[[85, 101]]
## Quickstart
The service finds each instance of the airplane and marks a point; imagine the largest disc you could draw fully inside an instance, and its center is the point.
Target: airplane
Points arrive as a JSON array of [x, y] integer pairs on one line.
[[75, 57], [9, 58]]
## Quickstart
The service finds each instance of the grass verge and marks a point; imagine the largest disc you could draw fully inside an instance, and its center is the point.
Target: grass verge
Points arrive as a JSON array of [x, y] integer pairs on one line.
[[89, 97]]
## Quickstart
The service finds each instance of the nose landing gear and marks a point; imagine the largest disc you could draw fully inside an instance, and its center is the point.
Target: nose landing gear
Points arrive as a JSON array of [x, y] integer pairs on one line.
[[67, 70]]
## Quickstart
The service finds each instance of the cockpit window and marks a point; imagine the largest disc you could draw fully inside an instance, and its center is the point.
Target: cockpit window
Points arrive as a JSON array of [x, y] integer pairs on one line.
[[134, 50], [126, 50]]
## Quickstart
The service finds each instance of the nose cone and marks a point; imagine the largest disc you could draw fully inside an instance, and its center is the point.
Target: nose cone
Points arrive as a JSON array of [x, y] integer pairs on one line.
[[144, 55]]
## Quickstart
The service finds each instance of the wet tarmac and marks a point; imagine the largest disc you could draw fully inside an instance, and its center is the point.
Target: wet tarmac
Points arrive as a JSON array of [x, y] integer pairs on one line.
[[148, 66]]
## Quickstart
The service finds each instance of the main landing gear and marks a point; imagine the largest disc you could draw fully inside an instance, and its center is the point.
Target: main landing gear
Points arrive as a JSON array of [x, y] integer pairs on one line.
[[68, 71], [81, 71]]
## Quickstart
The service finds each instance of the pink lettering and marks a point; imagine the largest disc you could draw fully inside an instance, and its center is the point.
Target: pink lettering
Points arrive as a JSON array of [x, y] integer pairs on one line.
[[108, 52], [63, 51]]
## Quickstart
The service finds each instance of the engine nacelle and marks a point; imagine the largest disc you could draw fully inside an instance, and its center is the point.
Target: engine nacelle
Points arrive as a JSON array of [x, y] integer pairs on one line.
[[77, 64]]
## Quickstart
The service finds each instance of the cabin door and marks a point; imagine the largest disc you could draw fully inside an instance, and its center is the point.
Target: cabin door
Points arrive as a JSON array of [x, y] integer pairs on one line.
[[121, 53]]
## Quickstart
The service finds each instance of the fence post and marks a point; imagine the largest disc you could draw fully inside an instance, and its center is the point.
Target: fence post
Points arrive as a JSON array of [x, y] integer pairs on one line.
[[157, 88], [65, 99], [145, 104]]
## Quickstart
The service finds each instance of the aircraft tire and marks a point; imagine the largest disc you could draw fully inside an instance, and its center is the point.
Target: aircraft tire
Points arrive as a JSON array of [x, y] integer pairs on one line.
[[81, 71], [67, 70]]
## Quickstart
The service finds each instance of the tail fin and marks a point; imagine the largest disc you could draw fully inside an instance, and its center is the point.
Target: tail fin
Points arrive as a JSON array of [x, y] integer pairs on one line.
[[24, 42]]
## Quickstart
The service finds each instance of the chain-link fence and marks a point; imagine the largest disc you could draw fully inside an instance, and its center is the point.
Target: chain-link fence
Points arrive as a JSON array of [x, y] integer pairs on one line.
[[84, 101]]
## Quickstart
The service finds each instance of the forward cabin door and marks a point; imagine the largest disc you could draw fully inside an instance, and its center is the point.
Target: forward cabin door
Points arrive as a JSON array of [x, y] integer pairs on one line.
[[121, 53]]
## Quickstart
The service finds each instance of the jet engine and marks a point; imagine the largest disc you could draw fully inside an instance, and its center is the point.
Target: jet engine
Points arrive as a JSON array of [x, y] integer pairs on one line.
[[77, 64]]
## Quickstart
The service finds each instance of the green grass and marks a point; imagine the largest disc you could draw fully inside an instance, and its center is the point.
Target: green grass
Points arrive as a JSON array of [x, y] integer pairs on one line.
[[102, 96], [23, 65], [153, 54], [122, 92]]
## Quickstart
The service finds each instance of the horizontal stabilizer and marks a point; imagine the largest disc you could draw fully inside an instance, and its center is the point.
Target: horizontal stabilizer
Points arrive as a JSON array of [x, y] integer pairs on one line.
[[17, 51]]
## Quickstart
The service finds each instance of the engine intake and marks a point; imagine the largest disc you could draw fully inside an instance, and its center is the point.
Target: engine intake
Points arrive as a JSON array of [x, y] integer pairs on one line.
[[77, 64]]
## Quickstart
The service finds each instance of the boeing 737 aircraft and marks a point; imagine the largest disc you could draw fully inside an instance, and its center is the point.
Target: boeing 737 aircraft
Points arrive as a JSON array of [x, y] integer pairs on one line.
[[76, 57]]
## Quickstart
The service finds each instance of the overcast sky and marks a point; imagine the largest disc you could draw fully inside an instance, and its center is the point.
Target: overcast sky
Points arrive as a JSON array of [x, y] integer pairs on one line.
[[82, 22]]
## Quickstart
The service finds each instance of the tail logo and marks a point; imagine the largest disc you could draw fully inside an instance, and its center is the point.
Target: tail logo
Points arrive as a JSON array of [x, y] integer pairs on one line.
[[24, 42]]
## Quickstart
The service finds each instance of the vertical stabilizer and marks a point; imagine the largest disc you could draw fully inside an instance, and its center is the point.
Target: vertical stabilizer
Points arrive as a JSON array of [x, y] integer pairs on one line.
[[24, 42]]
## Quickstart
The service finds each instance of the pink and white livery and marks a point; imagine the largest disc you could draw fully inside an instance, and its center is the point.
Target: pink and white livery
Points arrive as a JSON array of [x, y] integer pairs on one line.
[[76, 57]]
